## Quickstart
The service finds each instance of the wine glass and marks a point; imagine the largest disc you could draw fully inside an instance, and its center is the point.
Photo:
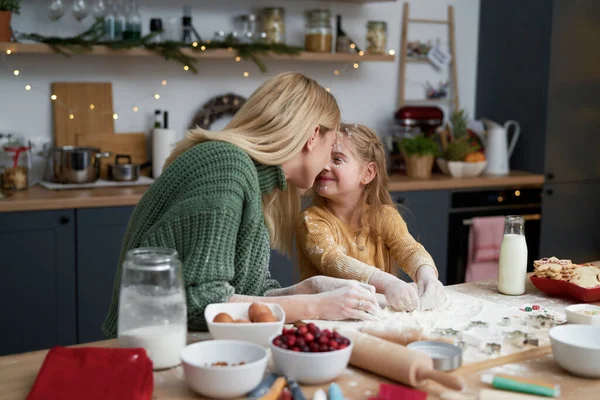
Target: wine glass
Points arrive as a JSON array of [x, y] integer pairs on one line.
[[80, 10], [99, 9], [56, 9]]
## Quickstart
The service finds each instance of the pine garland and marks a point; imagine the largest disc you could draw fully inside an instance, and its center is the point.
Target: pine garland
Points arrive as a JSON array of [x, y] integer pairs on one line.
[[169, 50]]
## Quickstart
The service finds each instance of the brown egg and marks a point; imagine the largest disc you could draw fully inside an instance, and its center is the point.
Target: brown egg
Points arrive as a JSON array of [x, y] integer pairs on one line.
[[256, 309], [266, 317], [223, 317], [242, 321]]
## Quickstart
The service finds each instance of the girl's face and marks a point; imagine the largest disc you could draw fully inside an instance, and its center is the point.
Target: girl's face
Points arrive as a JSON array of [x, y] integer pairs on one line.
[[345, 174]]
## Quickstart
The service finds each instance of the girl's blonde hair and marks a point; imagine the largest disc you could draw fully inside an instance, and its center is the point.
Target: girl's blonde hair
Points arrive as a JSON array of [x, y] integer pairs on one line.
[[367, 147], [272, 127]]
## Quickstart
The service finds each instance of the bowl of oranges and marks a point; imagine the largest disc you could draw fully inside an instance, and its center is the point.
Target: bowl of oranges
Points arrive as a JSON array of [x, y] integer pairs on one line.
[[473, 165]]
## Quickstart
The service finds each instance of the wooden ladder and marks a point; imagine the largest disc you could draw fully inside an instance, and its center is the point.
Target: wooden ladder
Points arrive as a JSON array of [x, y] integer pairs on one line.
[[453, 100]]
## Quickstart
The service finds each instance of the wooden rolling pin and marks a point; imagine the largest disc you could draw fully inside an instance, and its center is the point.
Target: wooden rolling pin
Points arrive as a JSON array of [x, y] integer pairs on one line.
[[396, 362]]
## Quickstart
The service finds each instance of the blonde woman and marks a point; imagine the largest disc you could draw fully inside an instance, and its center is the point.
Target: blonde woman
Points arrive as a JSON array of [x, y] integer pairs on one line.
[[224, 198]]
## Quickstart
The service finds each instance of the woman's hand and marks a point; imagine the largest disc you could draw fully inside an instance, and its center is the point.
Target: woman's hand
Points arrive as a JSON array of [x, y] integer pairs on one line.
[[400, 295], [322, 283], [431, 290], [351, 301]]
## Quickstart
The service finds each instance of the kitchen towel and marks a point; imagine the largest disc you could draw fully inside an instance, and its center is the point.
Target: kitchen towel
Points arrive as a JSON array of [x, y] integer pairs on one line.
[[485, 239], [94, 373], [163, 142]]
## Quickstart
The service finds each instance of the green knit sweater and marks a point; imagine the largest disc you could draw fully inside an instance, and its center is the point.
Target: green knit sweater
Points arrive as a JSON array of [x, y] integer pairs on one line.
[[207, 206]]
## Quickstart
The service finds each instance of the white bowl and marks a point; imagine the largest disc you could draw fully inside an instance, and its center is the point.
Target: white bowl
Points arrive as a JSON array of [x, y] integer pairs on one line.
[[575, 314], [576, 348], [258, 333], [225, 381], [461, 169], [310, 368]]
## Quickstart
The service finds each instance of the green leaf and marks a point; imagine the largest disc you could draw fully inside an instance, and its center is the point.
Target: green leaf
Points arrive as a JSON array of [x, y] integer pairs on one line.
[[419, 145]]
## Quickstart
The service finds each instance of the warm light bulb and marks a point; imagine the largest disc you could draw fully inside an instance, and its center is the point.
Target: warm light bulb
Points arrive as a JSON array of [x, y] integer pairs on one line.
[[336, 72], [164, 83], [16, 72], [115, 116], [92, 106], [27, 87], [195, 44], [71, 116], [352, 46], [355, 65], [392, 52], [53, 97], [135, 109], [361, 53], [517, 193], [246, 74], [203, 48], [157, 96], [238, 59], [8, 52], [186, 68], [328, 90]]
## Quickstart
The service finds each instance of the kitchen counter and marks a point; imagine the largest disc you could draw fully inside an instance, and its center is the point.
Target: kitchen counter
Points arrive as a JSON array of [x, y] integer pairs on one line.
[[38, 198], [18, 372]]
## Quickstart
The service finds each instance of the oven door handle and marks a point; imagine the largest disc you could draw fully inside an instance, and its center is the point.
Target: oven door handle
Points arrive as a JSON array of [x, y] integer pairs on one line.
[[526, 217]]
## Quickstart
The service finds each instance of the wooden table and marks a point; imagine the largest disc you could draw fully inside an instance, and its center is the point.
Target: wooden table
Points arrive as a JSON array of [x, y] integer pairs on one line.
[[18, 372]]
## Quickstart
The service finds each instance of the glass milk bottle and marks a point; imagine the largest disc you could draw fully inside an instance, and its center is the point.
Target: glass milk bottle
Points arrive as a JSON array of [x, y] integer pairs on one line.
[[512, 270], [152, 307]]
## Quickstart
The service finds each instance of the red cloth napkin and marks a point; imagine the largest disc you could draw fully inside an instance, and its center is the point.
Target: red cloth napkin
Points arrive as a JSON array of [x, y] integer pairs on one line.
[[395, 392], [485, 239], [94, 373]]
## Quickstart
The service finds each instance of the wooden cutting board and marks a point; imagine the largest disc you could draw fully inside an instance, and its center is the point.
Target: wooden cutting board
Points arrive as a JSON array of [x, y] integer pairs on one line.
[[91, 105], [133, 144]]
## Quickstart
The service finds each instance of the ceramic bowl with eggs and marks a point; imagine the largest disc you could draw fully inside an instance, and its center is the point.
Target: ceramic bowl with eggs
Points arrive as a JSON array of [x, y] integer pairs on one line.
[[309, 355], [252, 322], [576, 348], [584, 314], [223, 368]]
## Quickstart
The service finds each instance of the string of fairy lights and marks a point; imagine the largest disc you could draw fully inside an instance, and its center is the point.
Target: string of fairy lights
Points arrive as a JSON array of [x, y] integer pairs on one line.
[[134, 106]]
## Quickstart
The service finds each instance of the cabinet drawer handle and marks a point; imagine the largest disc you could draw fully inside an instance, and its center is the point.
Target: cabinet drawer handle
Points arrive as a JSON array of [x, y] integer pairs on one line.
[[64, 220]]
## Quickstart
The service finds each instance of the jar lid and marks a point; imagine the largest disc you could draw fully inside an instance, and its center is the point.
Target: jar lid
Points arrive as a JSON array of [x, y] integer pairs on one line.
[[376, 24], [319, 13], [274, 10]]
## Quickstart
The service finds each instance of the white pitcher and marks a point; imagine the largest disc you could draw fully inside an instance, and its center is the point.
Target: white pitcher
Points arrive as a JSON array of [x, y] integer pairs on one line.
[[497, 150]]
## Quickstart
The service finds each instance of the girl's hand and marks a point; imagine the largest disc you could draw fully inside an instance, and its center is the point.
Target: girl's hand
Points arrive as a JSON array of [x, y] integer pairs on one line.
[[400, 295], [431, 290], [348, 302]]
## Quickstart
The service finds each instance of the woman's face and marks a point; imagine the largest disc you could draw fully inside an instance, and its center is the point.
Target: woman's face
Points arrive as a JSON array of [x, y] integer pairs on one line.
[[311, 161]]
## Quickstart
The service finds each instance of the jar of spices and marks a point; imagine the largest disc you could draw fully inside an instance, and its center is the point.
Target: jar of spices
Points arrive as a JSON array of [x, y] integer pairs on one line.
[[376, 37], [319, 33], [273, 24], [16, 164]]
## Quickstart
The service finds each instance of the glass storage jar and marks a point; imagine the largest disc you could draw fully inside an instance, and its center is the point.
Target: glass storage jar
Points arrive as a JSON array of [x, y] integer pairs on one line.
[[15, 164], [376, 37], [319, 32], [152, 305], [272, 22]]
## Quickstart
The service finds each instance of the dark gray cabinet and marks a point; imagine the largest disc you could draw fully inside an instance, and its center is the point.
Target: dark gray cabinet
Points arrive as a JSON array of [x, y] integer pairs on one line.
[[99, 235], [426, 214], [572, 232], [38, 267]]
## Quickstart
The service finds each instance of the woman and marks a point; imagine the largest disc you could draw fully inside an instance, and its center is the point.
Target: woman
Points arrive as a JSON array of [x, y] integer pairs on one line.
[[226, 197]]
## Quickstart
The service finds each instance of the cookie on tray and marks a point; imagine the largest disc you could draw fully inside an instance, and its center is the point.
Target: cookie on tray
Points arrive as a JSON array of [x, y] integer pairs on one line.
[[586, 277]]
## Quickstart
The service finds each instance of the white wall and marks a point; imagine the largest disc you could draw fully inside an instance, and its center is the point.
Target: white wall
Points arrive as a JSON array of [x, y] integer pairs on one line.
[[366, 95]]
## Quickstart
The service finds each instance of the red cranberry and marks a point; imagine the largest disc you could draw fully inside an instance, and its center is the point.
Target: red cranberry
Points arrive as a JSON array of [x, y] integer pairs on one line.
[[317, 335], [312, 327], [306, 349], [323, 348], [277, 341], [309, 337], [285, 339], [284, 346], [300, 342], [314, 347], [342, 346], [287, 331], [333, 344], [336, 335], [291, 340], [323, 340], [326, 332], [296, 348], [302, 330]]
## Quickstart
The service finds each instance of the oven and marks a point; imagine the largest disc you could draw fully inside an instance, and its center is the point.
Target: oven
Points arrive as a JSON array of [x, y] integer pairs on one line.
[[467, 204]]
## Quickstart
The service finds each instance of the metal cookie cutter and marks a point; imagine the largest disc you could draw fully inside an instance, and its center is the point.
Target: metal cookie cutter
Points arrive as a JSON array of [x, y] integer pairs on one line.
[[445, 356]]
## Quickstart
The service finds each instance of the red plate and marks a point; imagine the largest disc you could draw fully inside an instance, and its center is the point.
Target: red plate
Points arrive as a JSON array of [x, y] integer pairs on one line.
[[566, 289]]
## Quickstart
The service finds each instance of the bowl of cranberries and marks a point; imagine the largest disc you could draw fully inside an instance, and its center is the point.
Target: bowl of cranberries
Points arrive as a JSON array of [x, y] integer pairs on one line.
[[310, 355]]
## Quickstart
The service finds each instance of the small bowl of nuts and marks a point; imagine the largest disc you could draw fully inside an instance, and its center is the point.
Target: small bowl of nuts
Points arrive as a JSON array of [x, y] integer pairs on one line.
[[223, 368], [310, 355], [251, 322]]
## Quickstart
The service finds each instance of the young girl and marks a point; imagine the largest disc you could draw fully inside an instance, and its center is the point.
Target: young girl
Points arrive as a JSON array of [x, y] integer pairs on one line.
[[353, 230]]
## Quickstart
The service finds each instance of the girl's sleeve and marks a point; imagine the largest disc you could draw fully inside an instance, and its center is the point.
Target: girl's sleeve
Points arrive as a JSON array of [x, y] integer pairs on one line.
[[315, 239], [409, 254]]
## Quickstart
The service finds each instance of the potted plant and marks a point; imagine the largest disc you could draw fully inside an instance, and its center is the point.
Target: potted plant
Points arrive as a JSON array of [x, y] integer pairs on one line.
[[7, 9], [419, 154]]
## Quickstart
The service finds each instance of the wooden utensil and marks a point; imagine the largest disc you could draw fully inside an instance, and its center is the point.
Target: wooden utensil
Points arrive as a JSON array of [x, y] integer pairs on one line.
[[501, 360], [90, 105], [133, 144], [396, 362]]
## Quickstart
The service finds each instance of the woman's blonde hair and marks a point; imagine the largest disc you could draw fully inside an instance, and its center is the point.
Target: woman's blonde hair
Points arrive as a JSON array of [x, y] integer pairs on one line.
[[272, 127], [367, 147]]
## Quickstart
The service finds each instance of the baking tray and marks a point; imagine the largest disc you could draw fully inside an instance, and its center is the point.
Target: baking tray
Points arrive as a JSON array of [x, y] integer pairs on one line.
[[566, 289]]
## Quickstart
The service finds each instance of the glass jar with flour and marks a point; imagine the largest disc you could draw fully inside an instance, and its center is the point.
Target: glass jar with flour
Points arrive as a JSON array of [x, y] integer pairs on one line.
[[152, 306], [512, 268]]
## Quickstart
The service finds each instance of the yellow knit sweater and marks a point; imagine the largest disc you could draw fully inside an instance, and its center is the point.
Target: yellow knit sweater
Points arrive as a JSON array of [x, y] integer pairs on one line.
[[327, 246]]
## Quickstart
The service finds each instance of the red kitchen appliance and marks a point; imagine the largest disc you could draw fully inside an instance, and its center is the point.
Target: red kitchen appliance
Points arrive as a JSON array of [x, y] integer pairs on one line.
[[426, 118]]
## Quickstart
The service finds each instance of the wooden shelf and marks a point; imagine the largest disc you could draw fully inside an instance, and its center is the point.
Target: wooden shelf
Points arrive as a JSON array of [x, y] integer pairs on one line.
[[417, 60], [220, 54], [429, 21]]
